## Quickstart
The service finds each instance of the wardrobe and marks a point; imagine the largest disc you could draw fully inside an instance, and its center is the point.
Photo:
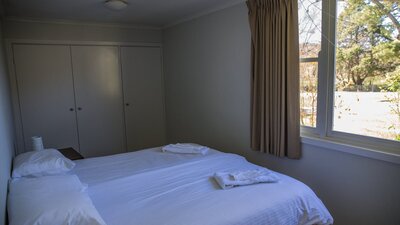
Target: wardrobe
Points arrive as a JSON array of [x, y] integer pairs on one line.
[[98, 99]]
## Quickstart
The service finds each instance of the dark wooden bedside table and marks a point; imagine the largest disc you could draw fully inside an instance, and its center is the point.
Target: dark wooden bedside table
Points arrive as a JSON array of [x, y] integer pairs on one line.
[[71, 153]]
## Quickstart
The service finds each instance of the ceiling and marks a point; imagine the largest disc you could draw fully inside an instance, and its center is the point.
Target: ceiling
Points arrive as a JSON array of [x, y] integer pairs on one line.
[[154, 13]]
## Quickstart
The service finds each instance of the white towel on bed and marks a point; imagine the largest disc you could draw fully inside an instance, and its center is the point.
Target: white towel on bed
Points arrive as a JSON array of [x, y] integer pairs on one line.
[[240, 178], [186, 148]]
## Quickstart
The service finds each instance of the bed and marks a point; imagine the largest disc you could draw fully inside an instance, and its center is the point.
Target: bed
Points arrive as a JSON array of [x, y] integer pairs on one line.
[[151, 187]]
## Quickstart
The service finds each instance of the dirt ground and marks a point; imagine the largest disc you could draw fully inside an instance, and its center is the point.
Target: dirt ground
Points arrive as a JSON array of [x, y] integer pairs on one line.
[[364, 113]]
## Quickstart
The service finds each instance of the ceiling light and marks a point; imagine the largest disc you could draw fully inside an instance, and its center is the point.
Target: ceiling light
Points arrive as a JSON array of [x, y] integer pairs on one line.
[[116, 4]]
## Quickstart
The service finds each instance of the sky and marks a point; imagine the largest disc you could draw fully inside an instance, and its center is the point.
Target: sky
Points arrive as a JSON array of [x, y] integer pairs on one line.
[[310, 16]]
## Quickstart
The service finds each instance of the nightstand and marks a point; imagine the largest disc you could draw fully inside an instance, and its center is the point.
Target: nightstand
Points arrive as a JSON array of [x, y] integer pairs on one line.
[[71, 153]]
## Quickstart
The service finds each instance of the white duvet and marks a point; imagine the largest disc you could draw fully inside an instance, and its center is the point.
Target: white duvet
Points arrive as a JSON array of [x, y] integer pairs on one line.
[[150, 187]]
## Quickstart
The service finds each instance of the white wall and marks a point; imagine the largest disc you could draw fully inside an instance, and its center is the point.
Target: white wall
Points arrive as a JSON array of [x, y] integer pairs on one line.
[[78, 32], [207, 72], [6, 132]]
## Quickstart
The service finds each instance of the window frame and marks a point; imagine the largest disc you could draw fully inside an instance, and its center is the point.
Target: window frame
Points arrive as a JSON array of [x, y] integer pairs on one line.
[[326, 92]]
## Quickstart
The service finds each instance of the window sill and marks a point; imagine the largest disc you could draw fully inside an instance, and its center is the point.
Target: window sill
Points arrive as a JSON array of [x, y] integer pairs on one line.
[[342, 146]]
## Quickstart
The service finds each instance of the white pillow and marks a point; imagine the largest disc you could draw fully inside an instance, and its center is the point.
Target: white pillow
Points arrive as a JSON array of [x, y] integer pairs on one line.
[[51, 200], [41, 163]]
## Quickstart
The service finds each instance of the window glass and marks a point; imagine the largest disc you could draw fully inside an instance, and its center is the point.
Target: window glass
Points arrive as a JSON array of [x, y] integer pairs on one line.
[[308, 93], [310, 17], [367, 84], [309, 28]]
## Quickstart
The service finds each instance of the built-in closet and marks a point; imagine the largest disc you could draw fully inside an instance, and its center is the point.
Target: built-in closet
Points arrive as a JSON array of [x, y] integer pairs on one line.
[[98, 99]]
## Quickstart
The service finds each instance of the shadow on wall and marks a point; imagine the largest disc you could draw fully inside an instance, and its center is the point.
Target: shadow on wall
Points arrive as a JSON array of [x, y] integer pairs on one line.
[[6, 132]]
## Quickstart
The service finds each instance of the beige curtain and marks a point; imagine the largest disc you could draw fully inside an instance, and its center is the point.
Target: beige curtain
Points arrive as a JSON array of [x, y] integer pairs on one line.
[[275, 122]]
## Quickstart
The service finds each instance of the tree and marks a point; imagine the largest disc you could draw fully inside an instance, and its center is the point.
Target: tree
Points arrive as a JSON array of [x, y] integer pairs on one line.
[[393, 86], [368, 41], [392, 12]]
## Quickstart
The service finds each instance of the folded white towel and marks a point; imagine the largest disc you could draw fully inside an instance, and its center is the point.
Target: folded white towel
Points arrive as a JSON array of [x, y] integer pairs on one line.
[[240, 178], [186, 148]]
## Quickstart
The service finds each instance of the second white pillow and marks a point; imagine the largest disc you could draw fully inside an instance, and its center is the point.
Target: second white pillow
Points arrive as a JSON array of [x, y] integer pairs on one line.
[[51, 200]]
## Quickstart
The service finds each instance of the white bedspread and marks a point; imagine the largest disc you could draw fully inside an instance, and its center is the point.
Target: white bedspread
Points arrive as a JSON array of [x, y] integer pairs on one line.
[[153, 188]]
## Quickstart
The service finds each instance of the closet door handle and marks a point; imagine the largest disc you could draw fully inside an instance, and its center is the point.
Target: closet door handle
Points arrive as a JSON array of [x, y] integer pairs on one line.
[[79, 108], [71, 109], [127, 104]]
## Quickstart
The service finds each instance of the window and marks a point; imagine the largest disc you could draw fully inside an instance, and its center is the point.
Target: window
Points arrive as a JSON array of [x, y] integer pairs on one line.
[[350, 70], [310, 45]]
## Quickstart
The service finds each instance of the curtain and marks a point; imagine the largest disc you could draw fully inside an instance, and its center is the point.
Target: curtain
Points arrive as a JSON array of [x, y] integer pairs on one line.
[[275, 110]]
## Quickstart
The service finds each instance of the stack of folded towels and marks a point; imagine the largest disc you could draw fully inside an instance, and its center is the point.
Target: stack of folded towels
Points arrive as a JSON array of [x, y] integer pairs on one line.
[[245, 177], [186, 148]]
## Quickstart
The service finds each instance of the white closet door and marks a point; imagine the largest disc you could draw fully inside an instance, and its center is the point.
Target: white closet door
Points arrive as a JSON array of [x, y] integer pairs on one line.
[[143, 95], [98, 91], [46, 97]]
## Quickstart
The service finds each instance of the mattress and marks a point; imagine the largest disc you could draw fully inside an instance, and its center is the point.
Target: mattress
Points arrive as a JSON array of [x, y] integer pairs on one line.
[[150, 187]]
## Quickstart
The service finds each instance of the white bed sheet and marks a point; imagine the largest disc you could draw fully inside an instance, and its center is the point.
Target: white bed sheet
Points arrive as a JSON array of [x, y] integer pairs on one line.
[[150, 187]]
